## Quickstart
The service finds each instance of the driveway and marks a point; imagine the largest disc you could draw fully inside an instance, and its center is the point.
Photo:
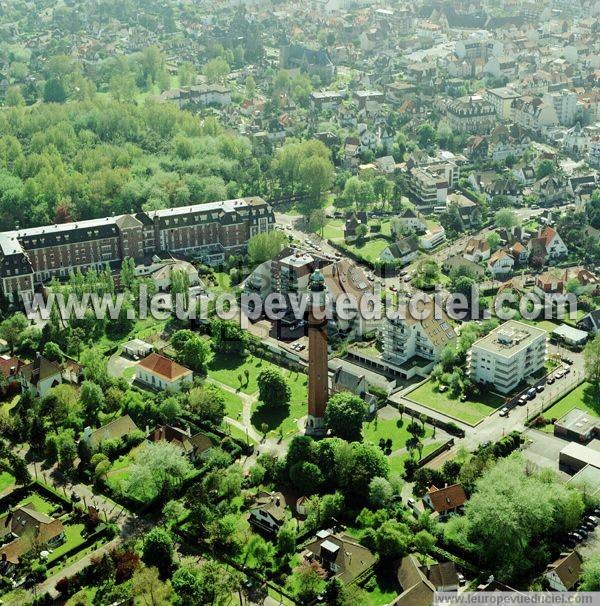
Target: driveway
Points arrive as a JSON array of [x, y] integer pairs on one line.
[[117, 365]]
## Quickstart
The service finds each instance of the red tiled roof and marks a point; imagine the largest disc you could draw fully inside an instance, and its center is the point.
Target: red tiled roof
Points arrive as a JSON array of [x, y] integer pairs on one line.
[[447, 498], [164, 367]]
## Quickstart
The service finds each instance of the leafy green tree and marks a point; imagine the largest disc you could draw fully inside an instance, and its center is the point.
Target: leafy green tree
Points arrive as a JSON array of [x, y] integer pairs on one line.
[[544, 168], [265, 246], [344, 416], [506, 219], [307, 582], [158, 549], [148, 588], [157, 469], [52, 352], [511, 513], [493, 240], [92, 399], [122, 87], [207, 403], [14, 97], [54, 91], [357, 192], [194, 354], [591, 359], [590, 577], [307, 477], [392, 540], [286, 538], [180, 338], [380, 493], [227, 336], [273, 388], [12, 329], [216, 69]]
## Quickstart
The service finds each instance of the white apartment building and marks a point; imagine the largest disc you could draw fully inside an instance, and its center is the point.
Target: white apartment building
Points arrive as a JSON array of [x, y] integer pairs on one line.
[[565, 105], [501, 100], [507, 356], [431, 188]]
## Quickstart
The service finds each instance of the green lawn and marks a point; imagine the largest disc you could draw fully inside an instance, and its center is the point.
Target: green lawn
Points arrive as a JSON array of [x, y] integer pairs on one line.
[[284, 419], [237, 433], [370, 250], [39, 503], [381, 589], [468, 412], [334, 230], [376, 429], [227, 368], [222, 283], [6, 480], [9, 403], [233, 403], [581, 397], [73, 539]]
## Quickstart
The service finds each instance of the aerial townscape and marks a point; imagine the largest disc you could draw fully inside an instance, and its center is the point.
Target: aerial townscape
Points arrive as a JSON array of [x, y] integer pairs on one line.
[[299, 302]]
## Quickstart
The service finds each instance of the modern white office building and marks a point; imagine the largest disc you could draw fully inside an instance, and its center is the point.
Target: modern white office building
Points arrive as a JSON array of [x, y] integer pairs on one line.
[[507, 356]]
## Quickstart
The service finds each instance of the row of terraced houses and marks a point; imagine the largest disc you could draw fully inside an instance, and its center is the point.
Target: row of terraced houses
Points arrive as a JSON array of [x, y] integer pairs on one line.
[[208, 232]]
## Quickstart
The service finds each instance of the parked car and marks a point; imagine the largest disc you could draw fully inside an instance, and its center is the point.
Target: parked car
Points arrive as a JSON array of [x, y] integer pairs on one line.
[[577, 537], [550, 380], [523, 400], [503, 412], [560, 374], [531, 393], [539, 388], [593, 520], [583, 532]]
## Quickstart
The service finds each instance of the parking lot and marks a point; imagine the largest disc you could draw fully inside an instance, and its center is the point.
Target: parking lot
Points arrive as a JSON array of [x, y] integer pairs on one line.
[[542, 449]]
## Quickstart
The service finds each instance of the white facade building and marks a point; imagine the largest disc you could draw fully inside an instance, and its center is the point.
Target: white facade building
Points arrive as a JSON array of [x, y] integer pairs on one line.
[[508, 355]]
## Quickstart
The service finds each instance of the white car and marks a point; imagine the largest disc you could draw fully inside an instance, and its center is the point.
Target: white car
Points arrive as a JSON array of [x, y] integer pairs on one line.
[[504, 412]]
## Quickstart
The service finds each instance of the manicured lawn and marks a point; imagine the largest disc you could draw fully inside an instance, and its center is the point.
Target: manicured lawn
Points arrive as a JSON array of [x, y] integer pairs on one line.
[[284, 419], [468, 412], [6, 480], [73, 539], [129, 372], [334, 230], [370, 250], [227, 368], [237, 433], [39, 503], [385, 589], [582, 397], [233, 403], [376, 429]]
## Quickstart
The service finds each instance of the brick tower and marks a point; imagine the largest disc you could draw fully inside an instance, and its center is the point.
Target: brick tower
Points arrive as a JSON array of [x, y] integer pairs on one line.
[[318, 388]]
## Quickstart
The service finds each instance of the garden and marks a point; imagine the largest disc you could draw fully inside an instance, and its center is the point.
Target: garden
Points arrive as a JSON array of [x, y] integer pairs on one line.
[[394, 438], [241, 374], [470, 412]]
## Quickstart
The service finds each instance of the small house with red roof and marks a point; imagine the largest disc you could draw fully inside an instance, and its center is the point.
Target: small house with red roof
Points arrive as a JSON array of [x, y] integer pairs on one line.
[[548, 245], [159, 372], [445, 501]]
